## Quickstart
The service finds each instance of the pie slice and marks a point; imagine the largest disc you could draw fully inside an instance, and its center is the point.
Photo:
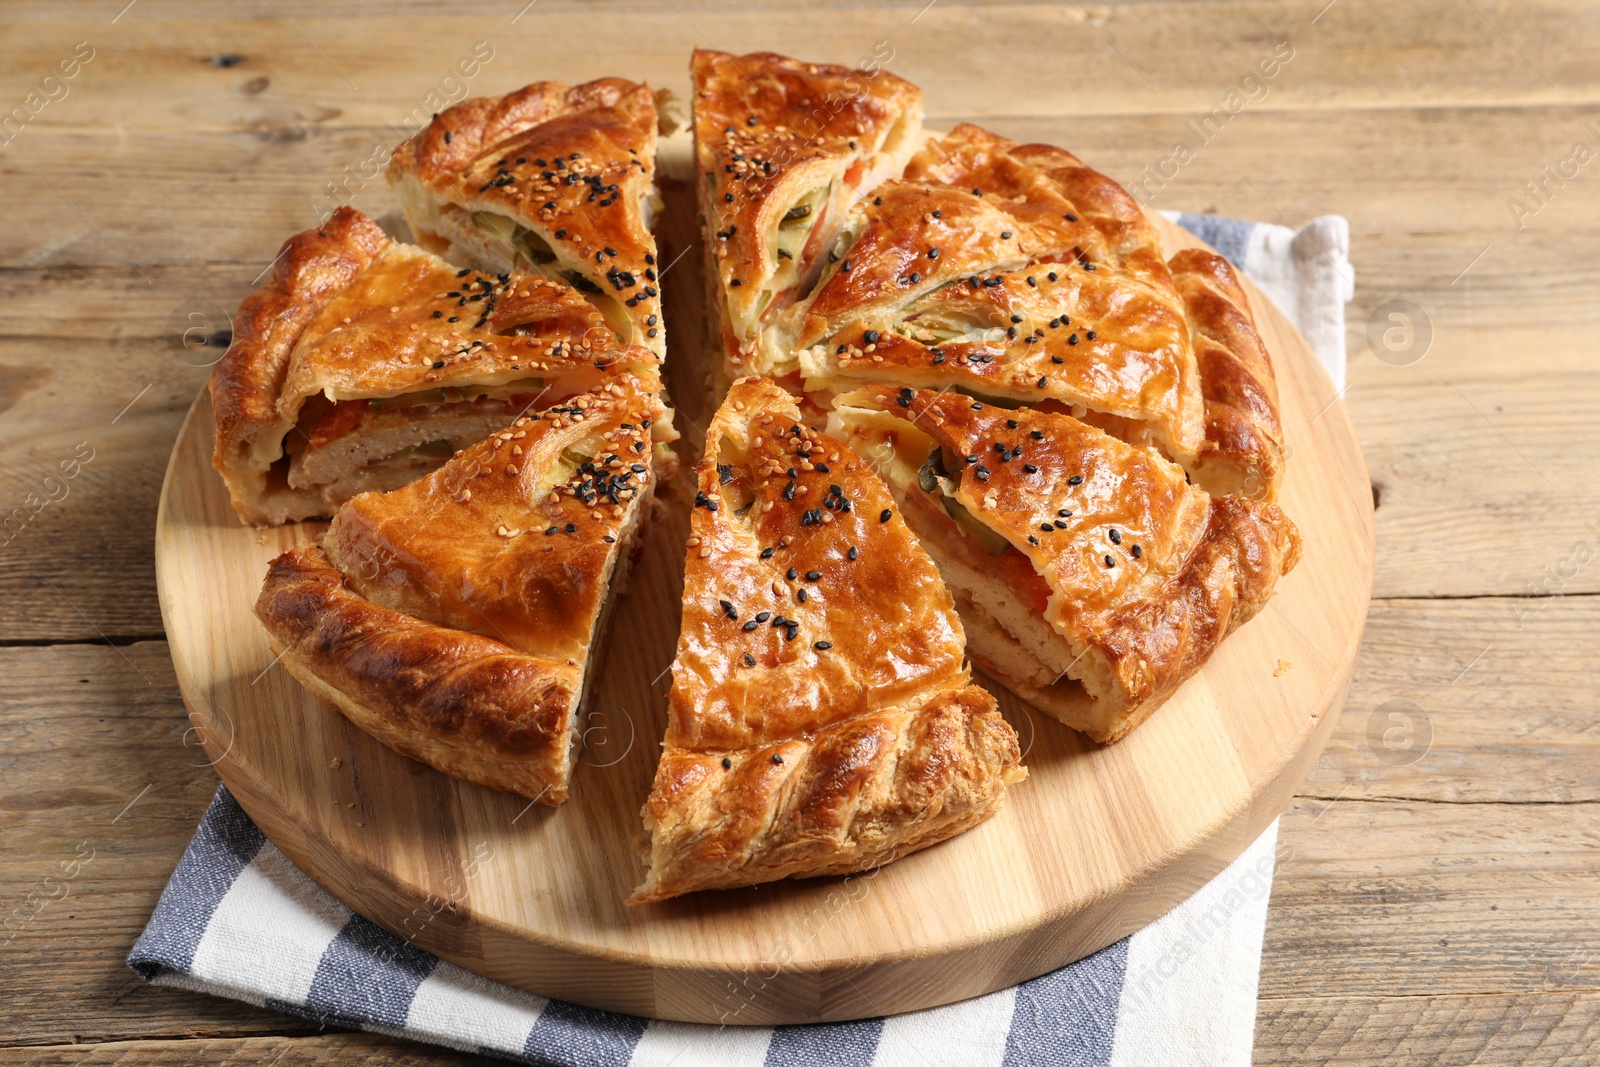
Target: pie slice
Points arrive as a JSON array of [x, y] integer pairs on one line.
[[1092, 578], [785, 149], [364, 363], [1243, 450], [553, 179], [455, 619], [1017, 274], [821, 717]]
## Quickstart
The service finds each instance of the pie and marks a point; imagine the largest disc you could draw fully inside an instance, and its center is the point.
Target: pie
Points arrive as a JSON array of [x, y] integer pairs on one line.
[[785, 149], [551, 179], [821, 718], [455, 619], [1017, 274], [363, 363], [1092, 577]]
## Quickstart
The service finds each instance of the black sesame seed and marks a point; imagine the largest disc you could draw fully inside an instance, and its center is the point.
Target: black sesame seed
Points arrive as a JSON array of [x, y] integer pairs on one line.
[[1072, 340], [1046, 527], [813, 576], [1076, 479], [766, 553], [801, 595], [1030, 468], [1037, 435], [728, 610], [727, 198], [1137, 551], [776, 758], [1110, 562], [853, 553], [751, 625], [1071, 217], [1051, 275], [763, 616], [823, 646], [1116, 537], [1005, 235], [886, 515], [727, 764]]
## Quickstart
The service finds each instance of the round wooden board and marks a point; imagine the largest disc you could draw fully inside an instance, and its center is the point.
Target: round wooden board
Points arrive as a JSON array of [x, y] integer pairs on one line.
[[1096, 843]]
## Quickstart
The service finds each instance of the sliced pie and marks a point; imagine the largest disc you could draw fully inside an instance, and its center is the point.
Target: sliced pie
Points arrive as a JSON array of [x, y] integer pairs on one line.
[[821, 717], [364, 363], [552, 179], [1017, 274], [1092, 578], [454, 619], [784, 149]]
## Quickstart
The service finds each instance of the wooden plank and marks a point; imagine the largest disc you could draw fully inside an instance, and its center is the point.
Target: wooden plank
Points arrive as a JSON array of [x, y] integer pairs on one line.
[[96, 762], [1555, 1029], [1469, 701], [83, 444], [157, 72], [1365, 894], [1388, 172], [1409, 898], [343, 1050]]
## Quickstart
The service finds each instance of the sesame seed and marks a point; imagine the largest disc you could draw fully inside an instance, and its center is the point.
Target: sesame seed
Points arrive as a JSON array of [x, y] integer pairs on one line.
[[1116, 537], [823, 646], [776, 758], [1076, 479], [1137, 551], [1110, 562], [727, 764], [813, 576], [853, 553], [751, 625], [887, 514]]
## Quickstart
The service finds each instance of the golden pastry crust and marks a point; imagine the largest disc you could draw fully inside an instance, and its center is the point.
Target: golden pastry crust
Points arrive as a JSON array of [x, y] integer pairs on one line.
[[1012, 271], [508, 556], [817, 637], [509, 538], [1243, 452], [776, 137], [349, 318], [854, 795], [311, 269], [467, 705], [1145, 574], [573, 165]]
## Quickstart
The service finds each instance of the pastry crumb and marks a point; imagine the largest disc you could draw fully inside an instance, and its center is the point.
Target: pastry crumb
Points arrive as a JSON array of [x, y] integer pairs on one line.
[[337, 763], [1284, 666]]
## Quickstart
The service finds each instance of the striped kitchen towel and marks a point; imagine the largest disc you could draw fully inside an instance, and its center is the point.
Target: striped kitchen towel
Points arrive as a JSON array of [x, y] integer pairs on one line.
[[238, 920]]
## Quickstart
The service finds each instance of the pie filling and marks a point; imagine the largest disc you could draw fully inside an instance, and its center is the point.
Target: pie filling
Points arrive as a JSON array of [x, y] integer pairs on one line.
[[352, 446]]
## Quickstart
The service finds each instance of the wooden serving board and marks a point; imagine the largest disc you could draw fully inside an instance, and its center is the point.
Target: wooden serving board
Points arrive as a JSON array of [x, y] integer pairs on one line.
[[1096, 843]]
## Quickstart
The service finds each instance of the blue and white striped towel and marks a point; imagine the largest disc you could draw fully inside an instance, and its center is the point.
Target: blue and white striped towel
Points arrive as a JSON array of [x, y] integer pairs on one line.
[[238, 920]]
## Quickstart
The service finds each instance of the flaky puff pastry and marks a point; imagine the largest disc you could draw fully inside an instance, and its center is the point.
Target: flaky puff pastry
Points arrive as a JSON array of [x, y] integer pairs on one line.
[[821, 717], [1112, 579], [551, 178], [455, 619], [1015, 271], [1010, 270], [1243, 453], [349, 318], [784, 149]]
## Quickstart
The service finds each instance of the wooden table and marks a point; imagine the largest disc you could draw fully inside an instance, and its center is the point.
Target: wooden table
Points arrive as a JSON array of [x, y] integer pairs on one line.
[[1438, 893]]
